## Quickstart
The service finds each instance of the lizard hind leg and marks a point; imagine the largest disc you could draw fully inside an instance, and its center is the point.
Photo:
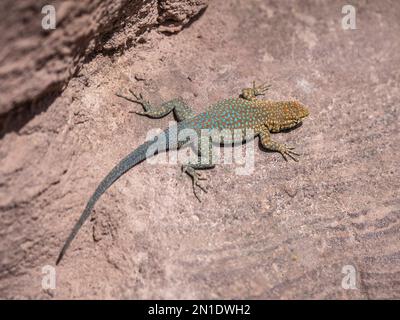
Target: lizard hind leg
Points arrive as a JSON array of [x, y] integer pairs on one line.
[[191, 168], [196, 177]]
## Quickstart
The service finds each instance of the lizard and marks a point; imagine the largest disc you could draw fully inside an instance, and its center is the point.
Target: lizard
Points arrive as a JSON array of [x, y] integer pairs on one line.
[[245, 112]]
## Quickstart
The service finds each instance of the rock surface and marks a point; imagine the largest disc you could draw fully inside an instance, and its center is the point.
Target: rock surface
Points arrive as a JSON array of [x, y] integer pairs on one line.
[[36, 63], [287, 230]]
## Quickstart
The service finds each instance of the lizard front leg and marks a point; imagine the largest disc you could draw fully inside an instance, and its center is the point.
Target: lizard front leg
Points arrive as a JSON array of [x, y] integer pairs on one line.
[[181, 110], [269, 144], [252, 93]]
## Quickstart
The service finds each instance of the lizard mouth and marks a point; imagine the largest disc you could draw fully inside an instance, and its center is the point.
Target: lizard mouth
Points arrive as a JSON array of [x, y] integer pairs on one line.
[[297, 123], [305, 113]]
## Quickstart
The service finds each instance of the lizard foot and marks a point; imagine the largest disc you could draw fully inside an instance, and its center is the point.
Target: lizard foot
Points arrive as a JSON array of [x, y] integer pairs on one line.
[[138, 98], [254, 91], [285, 150], [261, 89], [196, 177]]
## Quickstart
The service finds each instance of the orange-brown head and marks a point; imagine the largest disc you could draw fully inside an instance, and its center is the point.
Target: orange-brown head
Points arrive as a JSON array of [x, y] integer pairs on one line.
[[284, 115]]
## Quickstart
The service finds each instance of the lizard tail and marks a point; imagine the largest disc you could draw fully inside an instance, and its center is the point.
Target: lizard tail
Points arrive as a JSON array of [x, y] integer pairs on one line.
[[134, 158]]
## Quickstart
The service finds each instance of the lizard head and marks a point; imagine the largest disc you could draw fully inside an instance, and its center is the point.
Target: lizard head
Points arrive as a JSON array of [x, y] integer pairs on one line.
[[285, 115]]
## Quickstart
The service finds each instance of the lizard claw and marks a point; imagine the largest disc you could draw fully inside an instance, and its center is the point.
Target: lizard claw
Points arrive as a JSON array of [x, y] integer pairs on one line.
[[287, 151], [261, 89], [196, 177], [125, 97], [138, 99], [254, 91]]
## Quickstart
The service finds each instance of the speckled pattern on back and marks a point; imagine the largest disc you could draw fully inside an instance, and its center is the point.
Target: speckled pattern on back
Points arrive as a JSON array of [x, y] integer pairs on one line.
[[239, 113]]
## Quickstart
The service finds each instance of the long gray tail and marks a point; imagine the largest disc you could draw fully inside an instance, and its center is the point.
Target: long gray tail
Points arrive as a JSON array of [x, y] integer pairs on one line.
[[134, 158]]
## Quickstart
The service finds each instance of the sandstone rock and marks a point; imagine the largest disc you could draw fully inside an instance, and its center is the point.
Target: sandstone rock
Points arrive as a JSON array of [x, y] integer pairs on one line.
[[286, 230]]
